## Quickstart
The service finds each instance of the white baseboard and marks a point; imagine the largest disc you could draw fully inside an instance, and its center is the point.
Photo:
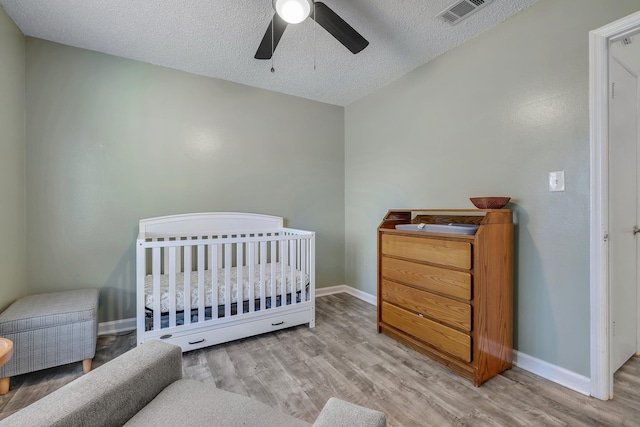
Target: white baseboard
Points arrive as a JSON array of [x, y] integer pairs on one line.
[[116, 326], [371, 299], [551, 372], [330, 290]]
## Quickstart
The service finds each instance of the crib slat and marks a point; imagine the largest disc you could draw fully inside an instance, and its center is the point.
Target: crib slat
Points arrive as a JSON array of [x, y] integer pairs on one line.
[[312, 279], [251, 262], [263, 264], [274, 258], [156, 271], [201, 268], [141, 273], [304, 268], [283, 273], [214, 280], [227, 279], [172, 286], [188, 251], [240, 278], [293, 259]]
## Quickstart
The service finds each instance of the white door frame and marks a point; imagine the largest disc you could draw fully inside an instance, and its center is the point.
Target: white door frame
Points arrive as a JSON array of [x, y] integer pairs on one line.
[[599, 42]]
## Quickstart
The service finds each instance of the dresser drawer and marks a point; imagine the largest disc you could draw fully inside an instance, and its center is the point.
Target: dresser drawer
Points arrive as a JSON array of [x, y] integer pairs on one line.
[[443, 252], [448, 282], [445, 310], [439, 336]]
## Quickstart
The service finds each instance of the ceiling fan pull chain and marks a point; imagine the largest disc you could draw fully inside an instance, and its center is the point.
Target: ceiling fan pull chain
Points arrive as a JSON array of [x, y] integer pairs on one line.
[[315, 44], [273, 70]]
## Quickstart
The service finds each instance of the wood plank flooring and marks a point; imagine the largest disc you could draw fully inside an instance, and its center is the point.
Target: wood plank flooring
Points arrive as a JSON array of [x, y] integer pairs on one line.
[[298, 369]]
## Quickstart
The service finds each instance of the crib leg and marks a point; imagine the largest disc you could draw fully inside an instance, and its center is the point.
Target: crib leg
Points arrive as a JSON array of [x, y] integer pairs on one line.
[[86, 365]]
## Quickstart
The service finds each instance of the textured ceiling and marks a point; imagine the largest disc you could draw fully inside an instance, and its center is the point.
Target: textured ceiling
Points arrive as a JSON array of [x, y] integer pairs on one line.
[[219, 38]]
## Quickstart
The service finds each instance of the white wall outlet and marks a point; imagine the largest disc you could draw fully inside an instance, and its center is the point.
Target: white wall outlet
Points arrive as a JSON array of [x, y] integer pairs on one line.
[[556, 181]]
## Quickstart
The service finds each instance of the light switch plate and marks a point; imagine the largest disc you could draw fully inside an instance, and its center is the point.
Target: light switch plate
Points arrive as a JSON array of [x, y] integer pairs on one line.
[[556, 181]]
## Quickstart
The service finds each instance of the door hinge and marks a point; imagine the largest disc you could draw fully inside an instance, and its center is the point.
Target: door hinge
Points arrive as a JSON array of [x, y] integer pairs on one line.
[[613, 90], [613, 329]]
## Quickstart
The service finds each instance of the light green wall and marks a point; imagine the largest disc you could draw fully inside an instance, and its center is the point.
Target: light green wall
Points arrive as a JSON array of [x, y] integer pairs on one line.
[[12, 162], [493, 117], [111, 141]]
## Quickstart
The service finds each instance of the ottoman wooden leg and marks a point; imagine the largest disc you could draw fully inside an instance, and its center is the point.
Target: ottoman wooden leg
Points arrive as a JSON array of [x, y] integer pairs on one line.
[[4, 385], [86, 365]]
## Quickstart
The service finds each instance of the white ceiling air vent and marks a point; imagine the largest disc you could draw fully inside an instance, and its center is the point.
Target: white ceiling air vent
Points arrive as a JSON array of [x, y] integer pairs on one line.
[[461, 10]]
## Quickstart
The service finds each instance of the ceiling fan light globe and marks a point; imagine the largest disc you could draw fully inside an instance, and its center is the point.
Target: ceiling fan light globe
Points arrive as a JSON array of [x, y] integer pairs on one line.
[[293, 11]]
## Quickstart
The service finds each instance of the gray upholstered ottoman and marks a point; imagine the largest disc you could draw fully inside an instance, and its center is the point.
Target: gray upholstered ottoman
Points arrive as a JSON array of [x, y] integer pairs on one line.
[[50, 330]]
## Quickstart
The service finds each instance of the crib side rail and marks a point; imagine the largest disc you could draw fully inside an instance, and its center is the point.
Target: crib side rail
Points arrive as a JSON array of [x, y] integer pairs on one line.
[[184, 281]]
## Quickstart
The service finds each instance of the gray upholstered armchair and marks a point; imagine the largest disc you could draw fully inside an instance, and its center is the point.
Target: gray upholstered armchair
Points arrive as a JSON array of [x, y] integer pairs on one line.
[[144, 387]]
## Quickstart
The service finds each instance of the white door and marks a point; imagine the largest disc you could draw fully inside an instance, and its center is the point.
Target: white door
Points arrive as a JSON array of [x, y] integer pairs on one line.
[[623, 213]]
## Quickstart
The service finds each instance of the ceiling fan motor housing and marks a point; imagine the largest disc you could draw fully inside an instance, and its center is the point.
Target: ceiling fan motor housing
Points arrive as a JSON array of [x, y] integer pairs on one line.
[[323, 15], [293, 11]]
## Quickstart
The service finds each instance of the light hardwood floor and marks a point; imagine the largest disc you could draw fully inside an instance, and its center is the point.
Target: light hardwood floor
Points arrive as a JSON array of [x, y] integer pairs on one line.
[[298, 369]]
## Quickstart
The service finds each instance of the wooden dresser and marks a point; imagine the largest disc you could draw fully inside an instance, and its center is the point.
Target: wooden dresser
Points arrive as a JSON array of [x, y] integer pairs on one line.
[[449, 296]]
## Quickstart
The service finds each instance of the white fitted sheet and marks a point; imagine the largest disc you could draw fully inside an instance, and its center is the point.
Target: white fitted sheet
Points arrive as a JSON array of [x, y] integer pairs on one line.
[[301, 281]]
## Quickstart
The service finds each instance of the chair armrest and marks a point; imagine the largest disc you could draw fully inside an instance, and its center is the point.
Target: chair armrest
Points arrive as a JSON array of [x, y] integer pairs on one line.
[[110, 394], [340, 413]]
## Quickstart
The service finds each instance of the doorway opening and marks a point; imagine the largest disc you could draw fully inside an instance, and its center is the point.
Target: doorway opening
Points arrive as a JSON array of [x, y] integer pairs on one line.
[[604, 220], [624, 70]]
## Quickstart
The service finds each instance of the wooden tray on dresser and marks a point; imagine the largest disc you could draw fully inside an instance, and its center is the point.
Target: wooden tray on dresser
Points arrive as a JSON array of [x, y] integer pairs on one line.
[[449, 296]]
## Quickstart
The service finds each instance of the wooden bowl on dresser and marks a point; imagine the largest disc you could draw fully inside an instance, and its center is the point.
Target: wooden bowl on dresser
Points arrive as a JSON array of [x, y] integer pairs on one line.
[[490, 202]]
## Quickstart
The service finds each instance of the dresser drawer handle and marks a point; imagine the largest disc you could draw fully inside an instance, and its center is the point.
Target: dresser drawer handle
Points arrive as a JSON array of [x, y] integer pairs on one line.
[[196, 342], [278, 324]]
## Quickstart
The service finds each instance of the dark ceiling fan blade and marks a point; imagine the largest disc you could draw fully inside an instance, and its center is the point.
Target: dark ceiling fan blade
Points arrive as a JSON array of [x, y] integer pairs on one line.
[[264, 50], [338, 28]]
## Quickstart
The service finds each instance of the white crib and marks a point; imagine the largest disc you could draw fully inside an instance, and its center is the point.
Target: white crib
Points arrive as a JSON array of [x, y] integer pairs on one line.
[[208, 278]]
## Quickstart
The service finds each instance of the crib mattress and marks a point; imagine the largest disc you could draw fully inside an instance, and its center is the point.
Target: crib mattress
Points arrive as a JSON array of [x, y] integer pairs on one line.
[[301, 280]]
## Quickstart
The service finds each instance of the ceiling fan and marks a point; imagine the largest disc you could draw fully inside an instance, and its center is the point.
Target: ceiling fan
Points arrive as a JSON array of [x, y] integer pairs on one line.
[[295, 11]]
